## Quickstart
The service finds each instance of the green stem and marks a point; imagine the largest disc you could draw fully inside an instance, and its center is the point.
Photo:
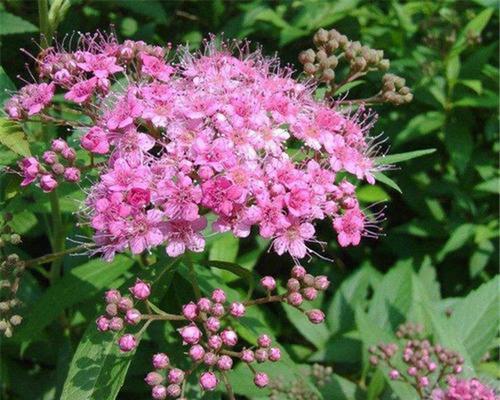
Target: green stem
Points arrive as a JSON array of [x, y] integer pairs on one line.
[[192, 276], [58, 236], [43, 20], [53, 256], [229, 388]]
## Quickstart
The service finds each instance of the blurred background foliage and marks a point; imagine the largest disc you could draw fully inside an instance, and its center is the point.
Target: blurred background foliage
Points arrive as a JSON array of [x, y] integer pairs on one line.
[[441, 234]]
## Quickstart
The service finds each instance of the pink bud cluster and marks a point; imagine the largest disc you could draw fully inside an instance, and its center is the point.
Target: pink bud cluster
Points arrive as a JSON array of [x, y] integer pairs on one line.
[[426, 365], [235, 135], [464, 389], [57, 164], [121, 311]]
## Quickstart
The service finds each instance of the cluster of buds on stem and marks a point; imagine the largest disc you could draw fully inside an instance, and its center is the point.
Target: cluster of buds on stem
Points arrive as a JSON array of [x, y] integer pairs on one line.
[[426, 366], [58, 164], [11, 270], [332, 48], [121, 311]]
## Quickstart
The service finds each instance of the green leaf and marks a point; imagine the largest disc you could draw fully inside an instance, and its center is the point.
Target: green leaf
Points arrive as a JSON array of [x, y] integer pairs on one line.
[[224, 248], [78, 285], [475, 319], [379, 176], [420, 125], [236, 270], [480, 258], [11, 24], [457, 240], [98, 368], [6, 85], [476, 26], [372, 194], [397, 158], [339, 388], [13, 137], [316, 334]]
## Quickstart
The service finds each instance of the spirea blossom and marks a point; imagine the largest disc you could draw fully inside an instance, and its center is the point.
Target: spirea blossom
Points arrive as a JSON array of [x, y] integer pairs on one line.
[[225, 130]]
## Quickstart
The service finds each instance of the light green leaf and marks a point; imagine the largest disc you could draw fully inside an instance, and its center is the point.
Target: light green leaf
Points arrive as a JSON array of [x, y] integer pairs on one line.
[[420, 125], [13, 137], [224, 248], [11, 24], [372, 194], [316, 334], [458, 239], [6, 85], [397, 158], [379, 176], [475, 319]]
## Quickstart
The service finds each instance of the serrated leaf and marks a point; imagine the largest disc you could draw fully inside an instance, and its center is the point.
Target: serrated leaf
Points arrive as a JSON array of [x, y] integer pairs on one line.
[[475, 319], [11, 24], [12, 136], [397, 158]]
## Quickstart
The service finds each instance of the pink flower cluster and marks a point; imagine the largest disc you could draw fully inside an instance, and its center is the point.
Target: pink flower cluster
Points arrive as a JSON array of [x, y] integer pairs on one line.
[[235, 135], [58, 164], [465, 389]]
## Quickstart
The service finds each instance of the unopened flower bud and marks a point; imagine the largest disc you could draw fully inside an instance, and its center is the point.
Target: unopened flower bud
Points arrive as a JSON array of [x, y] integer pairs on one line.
[[210, 359], [295, 299], [229, 337], [394, 374], [160, 361], [112, 296], [316, 316], [72, 174], [310, 293], [309, 68], [127, 342], [320, 37], [153, 379], [112, 310], [293, 285], [48, 183], [213, 324], [173, 391], [15, 239], [217, 310], [215, 342], [237, 309], [321, 282], [133, 316], [125, 304], [264, 341], [268, 283], [261, 379], [58, 168], [328, 75], [247, 356], [219, 296], [308, 280], [159, 392], [261, 355], [307, 56], [190, 311], [141, 290], [225, 363], [274, 354], [204, 304], [191, 334], [208, 381], [298, 272], [175, 375], [116, 324], [102, 323], [196, 352]]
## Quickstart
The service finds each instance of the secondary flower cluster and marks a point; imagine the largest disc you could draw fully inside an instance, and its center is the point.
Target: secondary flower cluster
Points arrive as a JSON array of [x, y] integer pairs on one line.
[[235, 135], [58, 163], [206, 331], [427, 367]]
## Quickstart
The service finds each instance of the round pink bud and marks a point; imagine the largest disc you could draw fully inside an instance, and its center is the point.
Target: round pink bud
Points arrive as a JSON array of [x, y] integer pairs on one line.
[[295, 299], [210, 359], [196, 352], [321, 282], [190, 311], [68, 153], [274, 354], [125, 304], [423, 381], [72, 174], [208, 381], [229, 337], [457, 369], [133, 316], [191, 334], [261, 379], [58, 168], [160, 361], [316, 316], [237, 310], [49, 157], [116, 324], [215, 342], [261, 355], [225, 363], [412, 371], [173, 390], [112, 296], [264, 341], [153, 379], [298, 272], [204, 304], [127, 342], [213, 324], [247, 356], [112, 309], [293, 285], [102, 323], [310, 293], [141, 290], [59, 145], [159, 392], [268, 283], [219, 296], [175, 375], [394, 374], [48, 183], [217, 310]]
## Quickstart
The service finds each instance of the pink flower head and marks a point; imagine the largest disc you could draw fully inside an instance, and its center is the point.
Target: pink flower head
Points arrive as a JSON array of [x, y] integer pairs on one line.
[[95, 141], [30, 168], [82, 91], [350, 227], [156, 68], [35, 97], [100, 65], [293, 239], [182, 235], [125, 111]]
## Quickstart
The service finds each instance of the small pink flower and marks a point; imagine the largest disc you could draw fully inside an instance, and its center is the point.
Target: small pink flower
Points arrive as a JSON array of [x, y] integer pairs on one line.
[[82, 91], [95, 141], [48, 183], [156, 68], [182, 235], [127, 343], [30, 168], [349, 227], [100, 65], [208, 381]]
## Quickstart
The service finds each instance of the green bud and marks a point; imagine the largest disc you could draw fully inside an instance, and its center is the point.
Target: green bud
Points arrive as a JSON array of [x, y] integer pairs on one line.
[[332, 45], [16, 320], [3, 325], [321, 55], [4, 306], [307, 56], [310, 69], [404, 90], [384, 64], [328, 75], [333, 62], [15, 239], [12, 258], [320, 37]]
